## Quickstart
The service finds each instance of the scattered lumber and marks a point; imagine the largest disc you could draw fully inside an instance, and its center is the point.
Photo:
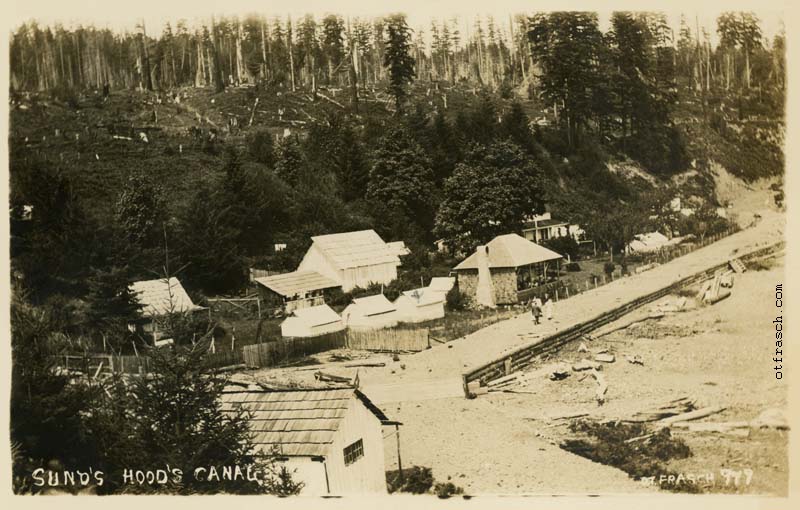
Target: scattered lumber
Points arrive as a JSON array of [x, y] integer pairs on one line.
[[652, 316], [672, 408], [586, 365], [634, 360], [505, 379], [353, 365], [605, 357], [719, 427], [583, 348], [692, 415], [322, 376], [569, 416]]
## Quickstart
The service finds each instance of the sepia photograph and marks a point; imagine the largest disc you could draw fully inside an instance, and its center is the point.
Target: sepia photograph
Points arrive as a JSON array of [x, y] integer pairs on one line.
[[413, 251]]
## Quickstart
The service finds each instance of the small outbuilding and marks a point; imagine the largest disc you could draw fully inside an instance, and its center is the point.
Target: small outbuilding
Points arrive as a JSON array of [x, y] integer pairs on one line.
[[160, 298], [295, 290], [313, 321], [420, 305], [371, 312], [331, 440], [505, 270]]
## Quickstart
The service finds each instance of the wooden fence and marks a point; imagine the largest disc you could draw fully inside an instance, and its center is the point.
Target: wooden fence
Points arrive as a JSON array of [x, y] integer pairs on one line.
[[389, 340], [270, 354], [527, 354]]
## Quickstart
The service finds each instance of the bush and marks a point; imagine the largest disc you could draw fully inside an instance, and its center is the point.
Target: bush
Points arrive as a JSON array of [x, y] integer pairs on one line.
[[609, 267], [445, 490], [572, 267], [455, 300], [261, 148], [416, 480]]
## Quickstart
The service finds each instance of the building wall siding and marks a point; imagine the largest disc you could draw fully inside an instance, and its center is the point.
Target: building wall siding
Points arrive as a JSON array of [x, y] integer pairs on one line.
[[367, 474], [314, 260], [504, 282]]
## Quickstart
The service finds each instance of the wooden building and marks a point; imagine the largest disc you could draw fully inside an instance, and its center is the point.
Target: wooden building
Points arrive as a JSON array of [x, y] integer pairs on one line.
[[419, 305], [504, 269], [332, 439], [295, 290], [352, 259], [543, 227], [371, 312], [313, 321], [159, 298]]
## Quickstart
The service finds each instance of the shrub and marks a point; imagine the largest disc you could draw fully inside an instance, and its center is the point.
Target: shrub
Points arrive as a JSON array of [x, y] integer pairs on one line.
[[572, 267], [609, 267], [261, 148], [455, 300], [566, 246], [416, 480], [445, 490]]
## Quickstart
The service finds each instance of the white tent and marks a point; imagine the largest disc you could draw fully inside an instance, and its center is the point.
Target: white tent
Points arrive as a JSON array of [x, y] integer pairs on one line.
[[312, 321], [371, 312], [651, 241], [420, 305], [441, 284]]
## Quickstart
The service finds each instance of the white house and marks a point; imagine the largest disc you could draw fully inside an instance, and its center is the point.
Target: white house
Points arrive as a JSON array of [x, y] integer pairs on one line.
[[420, 305], [352, 259], [331, 439], [543, 227], [159, 298], [312, 321], [371, 312]]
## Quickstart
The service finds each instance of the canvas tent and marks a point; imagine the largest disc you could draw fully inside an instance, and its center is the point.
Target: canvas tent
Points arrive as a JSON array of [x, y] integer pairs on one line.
[[313, 321], [419, 305], [371, 312], [442, 284], [651, 241]]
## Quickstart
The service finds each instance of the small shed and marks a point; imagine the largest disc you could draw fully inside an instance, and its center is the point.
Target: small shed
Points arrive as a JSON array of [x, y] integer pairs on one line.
[[331, 439], [399, 248], [313, 321], [420, 305], [159, 298], [371, 312], [295, 290]]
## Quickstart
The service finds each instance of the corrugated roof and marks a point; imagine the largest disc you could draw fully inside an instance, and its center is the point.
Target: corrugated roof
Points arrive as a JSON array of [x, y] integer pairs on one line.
[[356, 249], [160, 297], [511, 250], [296, 422], [317, 315], [296, 282], [374, 305]]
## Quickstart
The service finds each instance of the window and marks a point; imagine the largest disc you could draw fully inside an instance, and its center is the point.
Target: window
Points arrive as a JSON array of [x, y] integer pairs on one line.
[[353, 452]]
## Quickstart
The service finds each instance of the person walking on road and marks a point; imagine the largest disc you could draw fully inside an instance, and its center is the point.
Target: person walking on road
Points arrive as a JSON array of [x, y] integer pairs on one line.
[[536, 309]]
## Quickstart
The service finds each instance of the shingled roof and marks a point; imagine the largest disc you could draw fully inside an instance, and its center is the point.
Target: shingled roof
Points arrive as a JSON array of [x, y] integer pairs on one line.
[[160, 297], [510, 250], [356, 249], [299, 423], [296, 283]]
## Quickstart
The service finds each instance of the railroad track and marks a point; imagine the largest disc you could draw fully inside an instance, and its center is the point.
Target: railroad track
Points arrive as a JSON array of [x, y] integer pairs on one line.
[[525, 355]]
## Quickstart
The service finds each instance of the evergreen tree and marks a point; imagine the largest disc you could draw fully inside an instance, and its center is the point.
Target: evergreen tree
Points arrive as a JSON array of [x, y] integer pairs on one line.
[[289, 160], [397, 58], [401, 179], [141, 212]]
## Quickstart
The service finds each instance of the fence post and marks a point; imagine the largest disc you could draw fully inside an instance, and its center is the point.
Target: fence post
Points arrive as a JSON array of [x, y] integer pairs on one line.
[[556, 295]]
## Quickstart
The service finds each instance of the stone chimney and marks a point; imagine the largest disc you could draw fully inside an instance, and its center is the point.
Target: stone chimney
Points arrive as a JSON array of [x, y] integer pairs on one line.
[[485, 291]]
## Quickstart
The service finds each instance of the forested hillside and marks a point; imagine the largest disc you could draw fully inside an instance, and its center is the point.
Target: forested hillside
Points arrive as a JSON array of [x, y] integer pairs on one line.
[[203, 146]]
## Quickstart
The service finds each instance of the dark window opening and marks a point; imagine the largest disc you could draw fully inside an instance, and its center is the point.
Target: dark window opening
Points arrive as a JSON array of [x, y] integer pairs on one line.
[[353, 452]]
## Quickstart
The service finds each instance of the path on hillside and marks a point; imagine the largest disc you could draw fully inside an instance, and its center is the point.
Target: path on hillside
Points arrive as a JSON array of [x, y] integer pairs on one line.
[[436, 372]]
